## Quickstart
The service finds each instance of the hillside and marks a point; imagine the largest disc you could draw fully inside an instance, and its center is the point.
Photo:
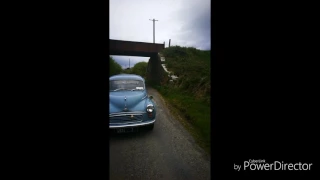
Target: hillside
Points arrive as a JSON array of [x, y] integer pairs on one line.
[[190, 93], [192, 66]]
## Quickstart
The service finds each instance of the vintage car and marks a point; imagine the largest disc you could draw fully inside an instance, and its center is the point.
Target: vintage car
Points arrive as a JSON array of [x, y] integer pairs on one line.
[[129, 105]]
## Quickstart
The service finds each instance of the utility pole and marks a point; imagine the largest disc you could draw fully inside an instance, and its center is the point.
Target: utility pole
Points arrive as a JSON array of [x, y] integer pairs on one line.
[[153, 28]]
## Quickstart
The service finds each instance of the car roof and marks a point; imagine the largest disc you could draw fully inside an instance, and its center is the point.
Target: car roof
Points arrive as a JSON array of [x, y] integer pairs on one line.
[[126, 76]]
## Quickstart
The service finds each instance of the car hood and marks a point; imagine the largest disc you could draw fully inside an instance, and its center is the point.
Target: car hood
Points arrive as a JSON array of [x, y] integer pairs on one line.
[[133, 101]]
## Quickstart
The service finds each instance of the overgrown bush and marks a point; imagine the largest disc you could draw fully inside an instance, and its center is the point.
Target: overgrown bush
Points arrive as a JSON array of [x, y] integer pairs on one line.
[[127, 71], [114, 67], [192, 66], [140, 69]]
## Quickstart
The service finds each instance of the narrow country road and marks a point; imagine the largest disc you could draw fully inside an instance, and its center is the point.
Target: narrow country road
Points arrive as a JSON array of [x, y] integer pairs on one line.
[[167, 152]]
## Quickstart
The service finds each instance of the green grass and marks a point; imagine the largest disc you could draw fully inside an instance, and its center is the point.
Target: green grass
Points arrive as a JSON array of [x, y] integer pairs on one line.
[[189, 97], [195, 113]]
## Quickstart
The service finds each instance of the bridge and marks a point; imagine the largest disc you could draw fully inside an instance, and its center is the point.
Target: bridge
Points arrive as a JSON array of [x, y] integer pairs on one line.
[[155, 71]]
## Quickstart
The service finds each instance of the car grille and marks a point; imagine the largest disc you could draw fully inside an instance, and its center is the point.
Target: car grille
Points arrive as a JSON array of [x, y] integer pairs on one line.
[[125, 117]]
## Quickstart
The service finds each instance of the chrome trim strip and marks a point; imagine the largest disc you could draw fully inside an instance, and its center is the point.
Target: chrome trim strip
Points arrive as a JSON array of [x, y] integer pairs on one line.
[[115, 115], [127, 113], [144, 97], [132, 125]]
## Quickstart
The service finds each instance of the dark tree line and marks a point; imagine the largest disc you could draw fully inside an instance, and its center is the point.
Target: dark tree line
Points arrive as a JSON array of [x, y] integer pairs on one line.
[[138, 69]]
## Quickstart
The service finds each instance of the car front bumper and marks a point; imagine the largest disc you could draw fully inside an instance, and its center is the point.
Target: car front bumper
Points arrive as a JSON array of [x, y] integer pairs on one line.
[[133, 125]]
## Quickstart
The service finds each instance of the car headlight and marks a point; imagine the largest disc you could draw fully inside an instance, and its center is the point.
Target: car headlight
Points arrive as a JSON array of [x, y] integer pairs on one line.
[[150, 108]]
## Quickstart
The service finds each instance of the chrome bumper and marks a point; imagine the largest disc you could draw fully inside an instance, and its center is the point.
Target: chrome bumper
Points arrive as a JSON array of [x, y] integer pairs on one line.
[[133, 125]]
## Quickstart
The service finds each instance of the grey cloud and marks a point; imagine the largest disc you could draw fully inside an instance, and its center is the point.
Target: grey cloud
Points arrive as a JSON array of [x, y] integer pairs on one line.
[[196, 26], [185, 22]]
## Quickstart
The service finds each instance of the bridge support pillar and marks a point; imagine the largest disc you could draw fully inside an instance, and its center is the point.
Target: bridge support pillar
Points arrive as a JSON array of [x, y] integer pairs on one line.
[[155, 71]]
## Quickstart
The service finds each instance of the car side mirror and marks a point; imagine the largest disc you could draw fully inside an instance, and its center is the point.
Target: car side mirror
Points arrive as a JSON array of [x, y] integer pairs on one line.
[[150, 97]]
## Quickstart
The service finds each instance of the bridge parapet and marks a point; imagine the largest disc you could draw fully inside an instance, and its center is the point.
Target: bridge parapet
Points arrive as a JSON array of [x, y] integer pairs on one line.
[[131, 48]]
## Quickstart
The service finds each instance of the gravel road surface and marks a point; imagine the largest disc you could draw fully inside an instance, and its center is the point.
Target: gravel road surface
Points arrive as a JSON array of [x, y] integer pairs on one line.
[[166, 152]]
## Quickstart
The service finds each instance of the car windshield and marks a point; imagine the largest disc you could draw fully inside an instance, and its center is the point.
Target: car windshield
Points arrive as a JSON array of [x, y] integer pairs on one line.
[[132, 85]]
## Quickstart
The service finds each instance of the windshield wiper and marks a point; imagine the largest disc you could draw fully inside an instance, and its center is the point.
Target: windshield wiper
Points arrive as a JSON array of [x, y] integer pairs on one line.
[[127, 89], [136, 89]]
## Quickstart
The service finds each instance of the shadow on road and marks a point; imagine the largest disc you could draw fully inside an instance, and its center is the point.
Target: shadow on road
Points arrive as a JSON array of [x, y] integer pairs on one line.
[[139, 132]]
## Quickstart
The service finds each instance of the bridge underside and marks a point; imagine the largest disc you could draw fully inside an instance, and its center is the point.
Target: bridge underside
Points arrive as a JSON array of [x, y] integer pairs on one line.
[[132, 53], [129, 48]]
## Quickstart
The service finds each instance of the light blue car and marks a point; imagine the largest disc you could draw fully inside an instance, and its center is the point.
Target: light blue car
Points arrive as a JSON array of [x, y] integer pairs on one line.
[[129, 105]]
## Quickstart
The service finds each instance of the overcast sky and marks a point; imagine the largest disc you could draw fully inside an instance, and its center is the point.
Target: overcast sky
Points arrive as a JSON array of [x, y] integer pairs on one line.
[[185, 22]]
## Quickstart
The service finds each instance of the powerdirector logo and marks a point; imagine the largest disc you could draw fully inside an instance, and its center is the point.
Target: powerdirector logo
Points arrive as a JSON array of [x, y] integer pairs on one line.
[[261, 165]]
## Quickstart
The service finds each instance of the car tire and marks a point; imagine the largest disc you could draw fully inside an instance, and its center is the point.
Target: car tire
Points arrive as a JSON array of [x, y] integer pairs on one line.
[[150, 127]]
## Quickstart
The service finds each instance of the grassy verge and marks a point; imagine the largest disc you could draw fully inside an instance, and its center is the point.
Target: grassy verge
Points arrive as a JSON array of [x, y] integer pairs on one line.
[[189, 96], [193, 114]]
